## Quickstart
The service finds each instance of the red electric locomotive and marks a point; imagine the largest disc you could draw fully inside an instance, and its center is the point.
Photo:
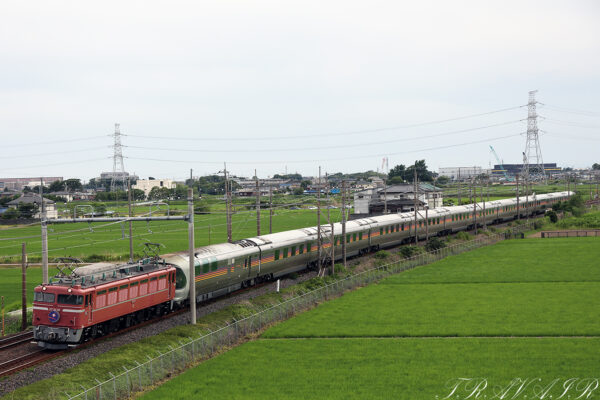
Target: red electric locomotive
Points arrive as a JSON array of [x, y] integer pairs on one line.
[[100, 298]]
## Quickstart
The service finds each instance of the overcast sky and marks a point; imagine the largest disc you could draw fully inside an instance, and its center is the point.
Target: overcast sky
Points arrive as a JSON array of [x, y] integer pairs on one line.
[[302, 83]]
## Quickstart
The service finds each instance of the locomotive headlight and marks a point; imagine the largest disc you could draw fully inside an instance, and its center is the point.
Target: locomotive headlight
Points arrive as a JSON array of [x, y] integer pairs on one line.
[[69, 290], [43, 287]]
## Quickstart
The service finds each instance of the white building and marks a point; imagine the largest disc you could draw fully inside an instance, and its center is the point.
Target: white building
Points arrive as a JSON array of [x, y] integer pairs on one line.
[[460, 173], [147, 184]]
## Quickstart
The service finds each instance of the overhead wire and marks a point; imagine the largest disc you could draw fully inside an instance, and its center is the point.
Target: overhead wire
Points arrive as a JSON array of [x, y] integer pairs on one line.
[[328, 159], [320, 135], [348, 145]]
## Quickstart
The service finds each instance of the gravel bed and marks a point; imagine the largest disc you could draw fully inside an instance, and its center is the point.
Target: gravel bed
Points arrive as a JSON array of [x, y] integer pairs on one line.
[[75, 357]]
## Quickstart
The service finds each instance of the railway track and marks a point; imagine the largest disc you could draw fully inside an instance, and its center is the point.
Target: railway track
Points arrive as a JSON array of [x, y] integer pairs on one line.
[[27, 360], [15, 340]]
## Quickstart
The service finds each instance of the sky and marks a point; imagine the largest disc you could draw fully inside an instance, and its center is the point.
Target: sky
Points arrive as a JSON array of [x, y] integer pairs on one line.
[[290, 86]]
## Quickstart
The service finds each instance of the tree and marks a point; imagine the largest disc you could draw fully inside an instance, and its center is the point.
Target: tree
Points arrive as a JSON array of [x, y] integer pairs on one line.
[[596, 166], [138, 195], [73, 185], [298, 191], [99, 208], [159, 193], [399, 171], [11, 213], [442, 180], [423, 175], [56, 186], [304, 184], [27, 210]]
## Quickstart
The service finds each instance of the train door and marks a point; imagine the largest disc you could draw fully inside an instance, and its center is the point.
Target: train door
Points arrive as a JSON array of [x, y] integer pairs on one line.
[[88, 307]]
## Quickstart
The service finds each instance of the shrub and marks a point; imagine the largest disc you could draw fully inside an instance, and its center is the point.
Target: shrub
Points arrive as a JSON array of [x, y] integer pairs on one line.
[[538, 224], [435, 244], [462, 235], [382, 254], [408, 251], [552, 216]]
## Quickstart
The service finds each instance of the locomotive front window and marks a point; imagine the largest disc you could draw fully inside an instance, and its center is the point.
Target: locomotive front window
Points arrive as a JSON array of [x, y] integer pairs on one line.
[[70, 299], [43, 297]]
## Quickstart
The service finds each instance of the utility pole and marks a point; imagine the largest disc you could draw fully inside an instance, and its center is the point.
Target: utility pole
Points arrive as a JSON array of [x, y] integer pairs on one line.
[[482, 196], [270, 208], [23, 286], [459, 185], [427, 223], [44, 235], [130, 223], [385, 196], [475, 207], [344, 222], [416, 196], [228, 203], [191, 256], [319, 221], [257, 205], [191, 177], [518, 197]]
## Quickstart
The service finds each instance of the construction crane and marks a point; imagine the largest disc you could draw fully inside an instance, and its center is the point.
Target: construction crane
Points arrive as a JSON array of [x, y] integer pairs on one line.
[[508, 178]]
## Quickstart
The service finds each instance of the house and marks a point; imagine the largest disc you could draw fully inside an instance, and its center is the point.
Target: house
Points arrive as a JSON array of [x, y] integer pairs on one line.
[[34, 198], [396, 198]]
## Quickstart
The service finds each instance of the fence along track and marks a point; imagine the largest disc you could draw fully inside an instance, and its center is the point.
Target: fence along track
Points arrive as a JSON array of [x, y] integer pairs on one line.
[[125, 383]]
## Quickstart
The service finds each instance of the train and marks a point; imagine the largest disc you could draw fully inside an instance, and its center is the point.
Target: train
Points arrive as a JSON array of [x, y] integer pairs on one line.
[[100, 298]]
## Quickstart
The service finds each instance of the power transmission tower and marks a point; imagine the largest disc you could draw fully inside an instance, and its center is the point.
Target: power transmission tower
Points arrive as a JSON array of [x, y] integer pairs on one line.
[[118, 171], [534, 168]]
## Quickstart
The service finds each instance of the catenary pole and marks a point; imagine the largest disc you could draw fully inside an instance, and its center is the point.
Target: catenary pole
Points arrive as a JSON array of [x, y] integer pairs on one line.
[[344, 222], [319, 222], [257, 205], [130, 223], [416, 196], [44, 235], [271, 208], [191, 256], [23, 286], [228, 203]]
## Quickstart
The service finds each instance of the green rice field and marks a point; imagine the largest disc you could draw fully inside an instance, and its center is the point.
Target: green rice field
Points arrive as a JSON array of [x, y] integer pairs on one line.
[[520, 309]]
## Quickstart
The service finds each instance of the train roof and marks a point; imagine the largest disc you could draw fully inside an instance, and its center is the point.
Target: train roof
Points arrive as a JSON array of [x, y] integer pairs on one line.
[[248, 245]]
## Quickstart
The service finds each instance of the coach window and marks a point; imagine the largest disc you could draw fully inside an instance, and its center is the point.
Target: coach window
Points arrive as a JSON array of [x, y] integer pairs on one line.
[[276, 254], [360, 236], [308, 245], [301, 249], [285, 252], [293, 251], [214, 265], [205, 266], [354, 237]]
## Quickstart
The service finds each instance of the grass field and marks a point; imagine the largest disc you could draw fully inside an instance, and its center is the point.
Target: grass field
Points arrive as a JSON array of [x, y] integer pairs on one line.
[[107, 242], [411, 369], [539, 296], [10, 285]]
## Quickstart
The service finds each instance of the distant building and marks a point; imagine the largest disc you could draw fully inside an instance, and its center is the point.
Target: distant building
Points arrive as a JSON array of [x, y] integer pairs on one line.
[[459, 173], [20, 183], [148, 184], [34, 198], [514, 169], [118, 176]]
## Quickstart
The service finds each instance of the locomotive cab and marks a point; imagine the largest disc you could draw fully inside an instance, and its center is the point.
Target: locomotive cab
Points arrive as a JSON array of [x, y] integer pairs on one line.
[[59, 315]]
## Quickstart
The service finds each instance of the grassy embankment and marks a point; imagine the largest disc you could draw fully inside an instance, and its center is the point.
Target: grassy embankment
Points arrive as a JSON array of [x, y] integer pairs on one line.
[[519, 309]]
